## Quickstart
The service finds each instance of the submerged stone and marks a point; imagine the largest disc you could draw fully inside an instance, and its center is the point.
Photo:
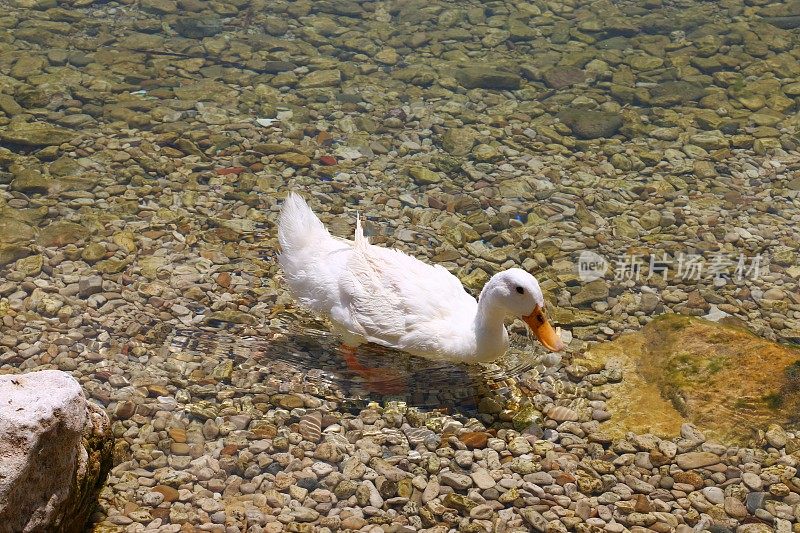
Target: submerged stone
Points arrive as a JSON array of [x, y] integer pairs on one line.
[[586, 124], [675, 92], [561, 77], [423, 176], [14, 231], [488, 78], [681, 369], [12, 252], [459, 141], [321, 78], [62, 233], [197, 28], [36, 134], [235, 317]]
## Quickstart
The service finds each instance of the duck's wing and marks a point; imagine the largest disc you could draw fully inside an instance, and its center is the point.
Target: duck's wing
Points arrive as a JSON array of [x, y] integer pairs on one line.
[[396, 300]]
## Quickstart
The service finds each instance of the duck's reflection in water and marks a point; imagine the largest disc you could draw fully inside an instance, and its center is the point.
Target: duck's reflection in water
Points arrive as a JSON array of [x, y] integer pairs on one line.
[[308, 355]]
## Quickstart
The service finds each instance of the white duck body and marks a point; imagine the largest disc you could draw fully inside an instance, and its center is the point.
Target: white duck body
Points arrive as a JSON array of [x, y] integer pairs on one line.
[[381, 295]]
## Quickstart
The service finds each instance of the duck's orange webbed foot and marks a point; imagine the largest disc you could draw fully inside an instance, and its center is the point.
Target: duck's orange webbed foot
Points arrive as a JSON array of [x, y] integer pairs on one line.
[[380, 380]]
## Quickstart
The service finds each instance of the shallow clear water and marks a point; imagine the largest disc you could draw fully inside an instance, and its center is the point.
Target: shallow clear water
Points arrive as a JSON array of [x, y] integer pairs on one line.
[[302, 353], [639, 157]]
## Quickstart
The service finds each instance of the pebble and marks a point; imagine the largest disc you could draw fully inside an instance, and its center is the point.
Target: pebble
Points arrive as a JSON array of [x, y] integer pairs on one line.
[[714, 494], [139, 199], [562, 414], [390, 472], [457, 481], [304, 514], [310, 426], [482, 479], [752, 481], [474, 439], [734, 508], [754, 501], [90, 285], [692, 460]]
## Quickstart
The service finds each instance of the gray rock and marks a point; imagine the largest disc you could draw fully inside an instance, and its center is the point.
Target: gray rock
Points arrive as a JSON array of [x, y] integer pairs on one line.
[[455, 480], [321, 78], [390, 472], [540, 478], [482, 479], [367, 494], [459, 141], [431, 490], [752, 481], [775, 435], [755, 501], [560, 77], [690, 432], [593, 291], [35, 134], [56, 450], [487, 78], [789, 22], [714, 495], [638, 485], [535, 519], [90, 285], [418, 435], [675, 92], [586, 124], [691, 460], [197, 28], [648, 302]]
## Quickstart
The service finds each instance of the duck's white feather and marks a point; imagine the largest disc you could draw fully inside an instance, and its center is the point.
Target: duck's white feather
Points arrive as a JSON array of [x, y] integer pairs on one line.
[[311, 259], [374, 294], [399, 301]]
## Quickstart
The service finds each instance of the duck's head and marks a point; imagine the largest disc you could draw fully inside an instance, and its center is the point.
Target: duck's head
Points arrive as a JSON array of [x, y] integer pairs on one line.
[[518, 294]]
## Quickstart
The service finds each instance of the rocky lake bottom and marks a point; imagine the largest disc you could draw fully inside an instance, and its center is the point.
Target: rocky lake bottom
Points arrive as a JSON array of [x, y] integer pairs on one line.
[[145, 149]]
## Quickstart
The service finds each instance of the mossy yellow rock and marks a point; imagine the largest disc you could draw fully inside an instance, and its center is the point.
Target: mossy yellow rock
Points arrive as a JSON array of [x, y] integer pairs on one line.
[[718, 376]]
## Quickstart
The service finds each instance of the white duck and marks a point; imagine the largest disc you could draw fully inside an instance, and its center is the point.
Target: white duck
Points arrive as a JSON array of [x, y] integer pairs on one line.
[[381, 295]]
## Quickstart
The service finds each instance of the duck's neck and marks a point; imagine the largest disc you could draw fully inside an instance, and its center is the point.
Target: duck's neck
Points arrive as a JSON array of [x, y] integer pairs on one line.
[[491, 338]]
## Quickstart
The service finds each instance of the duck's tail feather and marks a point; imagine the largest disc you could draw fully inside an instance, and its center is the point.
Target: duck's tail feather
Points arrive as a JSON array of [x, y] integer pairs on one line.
[[298, 227], [360, 239]]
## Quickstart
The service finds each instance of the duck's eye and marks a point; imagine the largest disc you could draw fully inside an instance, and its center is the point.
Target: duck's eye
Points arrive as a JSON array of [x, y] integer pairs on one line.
[[520, 290]]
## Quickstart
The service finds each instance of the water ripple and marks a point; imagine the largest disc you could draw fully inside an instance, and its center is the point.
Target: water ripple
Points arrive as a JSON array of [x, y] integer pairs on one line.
[[301, 350]]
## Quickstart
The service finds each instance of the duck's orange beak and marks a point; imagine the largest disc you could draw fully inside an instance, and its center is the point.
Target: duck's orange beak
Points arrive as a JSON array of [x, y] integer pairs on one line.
[[543, 330]]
